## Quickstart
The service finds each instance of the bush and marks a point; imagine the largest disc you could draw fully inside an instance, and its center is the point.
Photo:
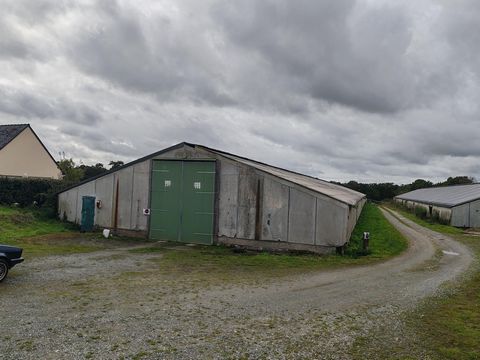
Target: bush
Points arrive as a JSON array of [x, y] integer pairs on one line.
[[28, 192], [421, 212]]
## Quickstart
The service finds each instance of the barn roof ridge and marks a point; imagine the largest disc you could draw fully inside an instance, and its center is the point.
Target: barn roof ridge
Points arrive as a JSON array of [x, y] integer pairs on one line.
[[337, 192], [327, 188]]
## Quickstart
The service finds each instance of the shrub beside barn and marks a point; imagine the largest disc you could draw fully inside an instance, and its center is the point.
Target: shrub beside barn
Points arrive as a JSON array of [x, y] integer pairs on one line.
[[194, 194]]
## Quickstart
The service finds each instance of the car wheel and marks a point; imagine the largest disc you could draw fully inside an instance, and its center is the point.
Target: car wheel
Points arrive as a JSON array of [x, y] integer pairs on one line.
[[3, 269]]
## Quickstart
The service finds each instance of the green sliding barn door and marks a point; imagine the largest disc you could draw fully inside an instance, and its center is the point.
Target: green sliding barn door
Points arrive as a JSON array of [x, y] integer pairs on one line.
[[182, 201], [166, 200], [197, 201]]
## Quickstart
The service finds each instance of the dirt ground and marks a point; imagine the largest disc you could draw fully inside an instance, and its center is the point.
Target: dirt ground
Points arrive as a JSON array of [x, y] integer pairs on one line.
[[114, 304]]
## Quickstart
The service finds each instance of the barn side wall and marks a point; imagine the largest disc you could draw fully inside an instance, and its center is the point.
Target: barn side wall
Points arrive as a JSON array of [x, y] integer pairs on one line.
[[475, 214], [445, 214], [467, 215], [252, 205], [461, 216], [288, 213], [133, 186]]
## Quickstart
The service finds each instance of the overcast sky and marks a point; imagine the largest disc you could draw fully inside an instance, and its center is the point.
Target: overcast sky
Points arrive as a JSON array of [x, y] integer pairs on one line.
[[343, 90]]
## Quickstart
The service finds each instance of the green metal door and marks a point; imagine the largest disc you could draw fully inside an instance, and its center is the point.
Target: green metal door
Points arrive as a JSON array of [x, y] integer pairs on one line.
[[198, 201], [182, 201], [88, 213], [166, 200]]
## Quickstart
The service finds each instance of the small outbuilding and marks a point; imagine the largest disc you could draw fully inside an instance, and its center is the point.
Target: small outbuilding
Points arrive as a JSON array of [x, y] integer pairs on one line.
[[194, 194], [457, 205]]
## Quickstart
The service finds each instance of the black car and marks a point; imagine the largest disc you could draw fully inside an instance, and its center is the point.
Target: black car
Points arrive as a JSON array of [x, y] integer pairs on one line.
[[9, 257]]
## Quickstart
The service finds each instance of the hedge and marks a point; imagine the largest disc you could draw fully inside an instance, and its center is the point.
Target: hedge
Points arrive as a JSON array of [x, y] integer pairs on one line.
[[26, 192]]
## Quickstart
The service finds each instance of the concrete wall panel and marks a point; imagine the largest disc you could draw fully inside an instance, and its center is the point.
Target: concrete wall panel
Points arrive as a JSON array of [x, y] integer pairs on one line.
[[331, 220], [351, 221], [104, 191], [275, 211], [301, 228], [125, 193], [140, 195], [247, 202], [228, 199], [67, 205], [475, 214], [461, 216]]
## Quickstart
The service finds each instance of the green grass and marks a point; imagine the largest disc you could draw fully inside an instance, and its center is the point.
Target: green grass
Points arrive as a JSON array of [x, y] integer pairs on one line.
[[446, 229], [39, 235], [385, 242], [449, 326]]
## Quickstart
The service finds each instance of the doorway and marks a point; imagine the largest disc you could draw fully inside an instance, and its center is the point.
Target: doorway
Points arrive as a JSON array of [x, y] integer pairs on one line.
[[182, 201]]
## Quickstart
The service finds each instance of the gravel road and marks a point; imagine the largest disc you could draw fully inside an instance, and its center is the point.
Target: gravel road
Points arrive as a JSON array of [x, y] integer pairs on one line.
[[99, 306]]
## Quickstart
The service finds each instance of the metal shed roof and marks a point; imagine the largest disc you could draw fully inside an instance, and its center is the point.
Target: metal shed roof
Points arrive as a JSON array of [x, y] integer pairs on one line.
[[337, 192], [446, 196]]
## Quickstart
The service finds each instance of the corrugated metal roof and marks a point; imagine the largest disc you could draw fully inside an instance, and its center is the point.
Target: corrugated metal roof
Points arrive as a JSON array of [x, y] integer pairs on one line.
[[337, 192], [10, 132], [447, 196]]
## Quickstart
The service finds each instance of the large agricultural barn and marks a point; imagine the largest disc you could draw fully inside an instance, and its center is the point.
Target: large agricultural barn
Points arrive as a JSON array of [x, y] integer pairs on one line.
[[457, 205], [194, 194]]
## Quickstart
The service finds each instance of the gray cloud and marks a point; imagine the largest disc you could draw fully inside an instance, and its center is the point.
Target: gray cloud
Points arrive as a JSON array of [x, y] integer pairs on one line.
[[348, 89]]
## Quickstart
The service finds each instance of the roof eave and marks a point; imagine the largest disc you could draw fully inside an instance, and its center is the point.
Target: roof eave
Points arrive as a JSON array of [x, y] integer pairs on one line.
[[145, 158]]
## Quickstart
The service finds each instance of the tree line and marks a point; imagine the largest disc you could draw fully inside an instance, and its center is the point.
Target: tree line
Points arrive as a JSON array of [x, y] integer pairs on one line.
[[73, 173], [384, 191], [30, 191]]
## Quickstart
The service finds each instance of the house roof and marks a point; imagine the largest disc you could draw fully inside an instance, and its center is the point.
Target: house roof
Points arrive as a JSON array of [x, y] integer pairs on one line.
[[338, 192], [446, 196], [10, 132]]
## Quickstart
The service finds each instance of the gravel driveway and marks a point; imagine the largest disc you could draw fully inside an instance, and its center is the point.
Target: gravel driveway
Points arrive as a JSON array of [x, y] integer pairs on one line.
[[110, 305]]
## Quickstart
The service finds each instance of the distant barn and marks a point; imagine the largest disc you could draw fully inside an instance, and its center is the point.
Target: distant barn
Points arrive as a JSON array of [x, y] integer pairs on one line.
[[194, 194], [457, 205]]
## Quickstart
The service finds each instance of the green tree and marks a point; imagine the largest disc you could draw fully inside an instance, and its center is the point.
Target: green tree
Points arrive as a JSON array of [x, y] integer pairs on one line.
[[71, 173], [420, 184], [116, 164], [90, 171], [458, 180]]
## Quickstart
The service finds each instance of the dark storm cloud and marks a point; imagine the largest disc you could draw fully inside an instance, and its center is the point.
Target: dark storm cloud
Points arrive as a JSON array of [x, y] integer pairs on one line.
[[122, 49], [30, 106], [370, 90], [328, 50]]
